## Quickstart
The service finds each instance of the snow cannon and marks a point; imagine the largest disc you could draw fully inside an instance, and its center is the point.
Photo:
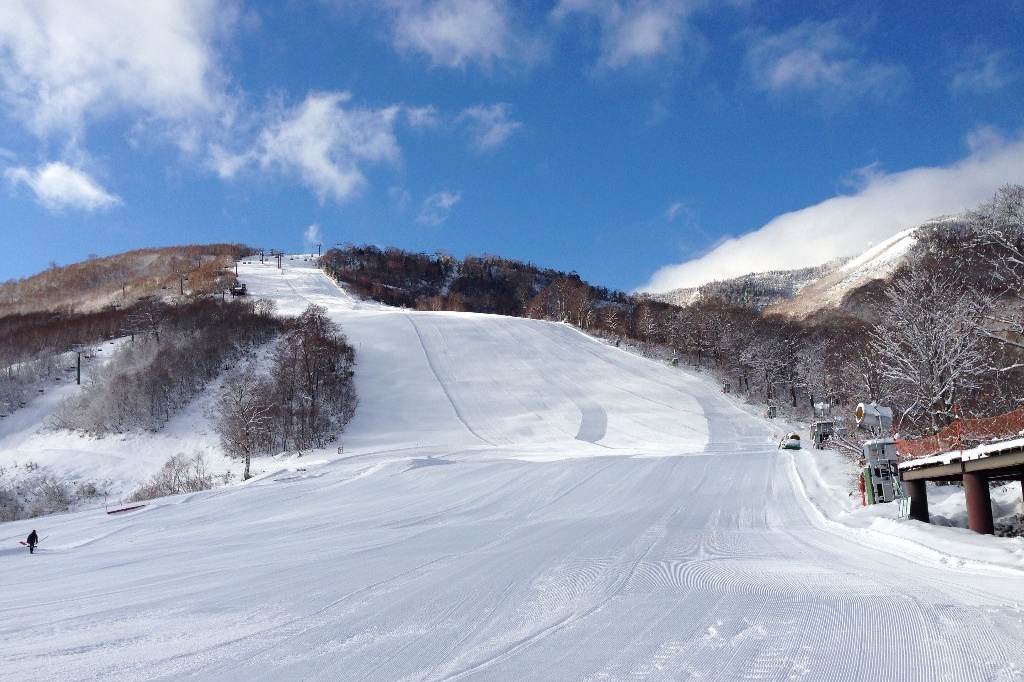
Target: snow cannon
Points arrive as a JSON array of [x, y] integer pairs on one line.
[[880, 476], [874, 416]]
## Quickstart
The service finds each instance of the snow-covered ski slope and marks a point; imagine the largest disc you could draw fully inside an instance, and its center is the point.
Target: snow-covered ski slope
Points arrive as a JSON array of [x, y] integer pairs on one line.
[[487, 386], [515, 501]]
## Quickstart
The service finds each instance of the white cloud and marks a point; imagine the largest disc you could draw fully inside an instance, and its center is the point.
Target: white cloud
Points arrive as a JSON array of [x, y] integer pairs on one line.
[[644, 33], [58, 186], [422, 118], [633, 32], [63, 62], [846, 225], [437, 207], [454, 33], [815, 57], [983, 71], [400, 197], [489, 125], [312, 236], [322, 142]]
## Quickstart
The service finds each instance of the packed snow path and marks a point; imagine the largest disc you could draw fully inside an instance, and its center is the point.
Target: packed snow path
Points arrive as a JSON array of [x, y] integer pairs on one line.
[[515, 501]]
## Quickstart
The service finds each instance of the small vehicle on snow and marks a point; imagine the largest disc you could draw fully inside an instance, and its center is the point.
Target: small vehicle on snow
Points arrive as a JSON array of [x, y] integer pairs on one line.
[[791, 442]]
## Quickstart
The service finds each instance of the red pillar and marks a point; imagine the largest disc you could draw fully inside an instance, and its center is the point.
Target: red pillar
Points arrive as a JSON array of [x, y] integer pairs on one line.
[[918, 495], [979, 503]]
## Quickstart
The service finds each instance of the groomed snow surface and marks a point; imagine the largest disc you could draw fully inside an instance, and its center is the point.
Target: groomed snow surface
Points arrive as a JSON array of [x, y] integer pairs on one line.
[[515, 501]]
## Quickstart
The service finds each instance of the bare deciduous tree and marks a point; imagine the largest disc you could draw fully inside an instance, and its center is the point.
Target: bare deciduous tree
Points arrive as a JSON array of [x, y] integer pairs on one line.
[[998, 226], [244, 413], [179, 474], [928, 346], [312, 377]]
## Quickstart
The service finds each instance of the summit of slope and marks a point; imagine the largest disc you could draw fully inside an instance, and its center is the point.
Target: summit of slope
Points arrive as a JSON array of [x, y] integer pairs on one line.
[[491, 385]]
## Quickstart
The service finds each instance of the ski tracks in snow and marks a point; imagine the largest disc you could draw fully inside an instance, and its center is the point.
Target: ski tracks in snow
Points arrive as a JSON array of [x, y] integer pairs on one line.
[[444, 382]]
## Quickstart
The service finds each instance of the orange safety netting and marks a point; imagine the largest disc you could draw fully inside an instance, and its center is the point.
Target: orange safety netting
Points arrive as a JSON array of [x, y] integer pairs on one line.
[[964, 433]]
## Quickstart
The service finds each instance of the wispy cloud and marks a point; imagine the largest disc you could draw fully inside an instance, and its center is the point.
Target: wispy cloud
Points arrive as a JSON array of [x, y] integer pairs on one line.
[[400, 197], [422, 118], [312, 236], [489, 125], [633, 32], [816, 58], [321, 141], [673, 211], [845, 225], [437, 207], [983, 71], [456, 33], [58, 186]]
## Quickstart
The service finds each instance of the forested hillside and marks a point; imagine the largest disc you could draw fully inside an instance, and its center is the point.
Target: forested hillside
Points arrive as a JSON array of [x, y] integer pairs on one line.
[[487, 284], [157, 330], [756, 290], [46, 318], [121, 279]]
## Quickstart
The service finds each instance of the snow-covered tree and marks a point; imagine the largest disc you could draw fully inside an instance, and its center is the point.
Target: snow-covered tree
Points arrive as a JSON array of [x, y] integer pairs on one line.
[[244, 413], [648, 325], [179, 474], [769, 358], [815, 367], [998, 228], [313, 381], [148, 381], [147, 319], [928, 345]]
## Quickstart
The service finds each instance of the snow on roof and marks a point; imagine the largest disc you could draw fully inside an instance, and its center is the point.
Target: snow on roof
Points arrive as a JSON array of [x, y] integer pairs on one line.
[[979, 452]]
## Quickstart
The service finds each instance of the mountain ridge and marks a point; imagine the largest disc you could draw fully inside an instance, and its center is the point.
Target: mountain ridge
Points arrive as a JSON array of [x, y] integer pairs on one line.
[[803, 292]]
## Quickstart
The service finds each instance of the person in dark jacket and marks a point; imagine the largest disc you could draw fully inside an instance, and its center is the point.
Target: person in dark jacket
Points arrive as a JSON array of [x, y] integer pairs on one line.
[[33, 539]]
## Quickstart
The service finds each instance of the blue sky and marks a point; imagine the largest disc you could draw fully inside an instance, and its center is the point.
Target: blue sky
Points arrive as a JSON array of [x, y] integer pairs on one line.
[[645, 145]]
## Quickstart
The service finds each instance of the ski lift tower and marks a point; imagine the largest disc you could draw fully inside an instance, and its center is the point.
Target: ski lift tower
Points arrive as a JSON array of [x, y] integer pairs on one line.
[[880, 482], [78, 348]]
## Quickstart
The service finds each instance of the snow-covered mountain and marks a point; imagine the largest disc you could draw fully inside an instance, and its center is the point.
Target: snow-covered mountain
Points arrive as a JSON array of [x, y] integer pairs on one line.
[[756, 290], [828, 291], [513, 499], [799, 293]]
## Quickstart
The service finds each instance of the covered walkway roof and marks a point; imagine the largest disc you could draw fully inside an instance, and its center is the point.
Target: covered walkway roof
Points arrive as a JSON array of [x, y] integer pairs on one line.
[[975, 467]]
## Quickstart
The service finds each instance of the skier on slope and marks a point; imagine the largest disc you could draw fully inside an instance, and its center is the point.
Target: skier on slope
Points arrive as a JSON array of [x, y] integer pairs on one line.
[[32, 540]]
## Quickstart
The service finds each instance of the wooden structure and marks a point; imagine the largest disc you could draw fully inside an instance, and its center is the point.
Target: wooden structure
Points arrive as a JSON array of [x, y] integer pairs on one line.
[[975, 467]]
